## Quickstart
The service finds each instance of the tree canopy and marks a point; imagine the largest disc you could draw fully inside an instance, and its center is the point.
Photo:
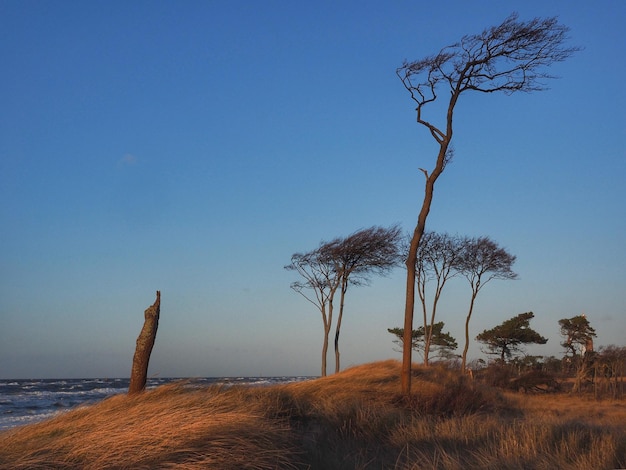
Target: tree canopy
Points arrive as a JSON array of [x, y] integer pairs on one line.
[[443, 343], [366, 252], [508, 338], [578, 334]]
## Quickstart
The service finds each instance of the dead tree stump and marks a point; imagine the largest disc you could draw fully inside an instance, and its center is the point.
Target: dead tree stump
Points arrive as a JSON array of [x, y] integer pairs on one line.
[[145, 343]]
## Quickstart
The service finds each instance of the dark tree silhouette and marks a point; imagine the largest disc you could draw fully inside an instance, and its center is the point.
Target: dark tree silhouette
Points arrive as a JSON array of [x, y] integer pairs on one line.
[[506, 58], [367, 252], [318, 285], [337, 264], [437, 261], [509, 338], [578, 335], [143, 350], [482, 260]]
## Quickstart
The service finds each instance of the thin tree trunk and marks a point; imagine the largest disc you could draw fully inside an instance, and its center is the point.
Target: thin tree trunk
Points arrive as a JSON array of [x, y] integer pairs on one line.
[[337, 360], [427, 329], [324, 351], [145, 343], [467, 321], [438, 290], [407, 343], [428, 332], [421, 291], [328, 321], [344, 288]]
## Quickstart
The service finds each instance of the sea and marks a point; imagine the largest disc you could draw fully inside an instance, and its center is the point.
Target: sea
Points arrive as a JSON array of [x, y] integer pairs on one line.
[[29, 401]]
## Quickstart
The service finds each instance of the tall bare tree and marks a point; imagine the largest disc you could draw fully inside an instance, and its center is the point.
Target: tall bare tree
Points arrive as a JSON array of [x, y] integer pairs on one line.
[[367, 252], [506, 58], [437, 261], [319, 285], [482, 260]]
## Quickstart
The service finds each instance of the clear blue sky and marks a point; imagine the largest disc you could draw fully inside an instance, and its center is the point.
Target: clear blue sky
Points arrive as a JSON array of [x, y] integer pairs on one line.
[[192, 147]]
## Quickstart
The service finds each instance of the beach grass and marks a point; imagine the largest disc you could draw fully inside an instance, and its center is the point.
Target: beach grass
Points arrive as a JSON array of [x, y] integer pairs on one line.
[[352, 420]]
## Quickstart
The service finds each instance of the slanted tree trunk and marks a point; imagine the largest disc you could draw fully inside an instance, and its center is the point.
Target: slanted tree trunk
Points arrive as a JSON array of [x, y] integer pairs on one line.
[[467, 338], [344, 289], [145, 343], [420, 228], [328, 321]]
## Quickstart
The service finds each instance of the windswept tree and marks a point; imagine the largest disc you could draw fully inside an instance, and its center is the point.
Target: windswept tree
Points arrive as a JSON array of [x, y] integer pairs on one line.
[[577, 334], [509, 338], [367, 252], [336, 265], [578, 342], [507, 58], [443, 344], [482, 260], [437, 261], [318, 285]]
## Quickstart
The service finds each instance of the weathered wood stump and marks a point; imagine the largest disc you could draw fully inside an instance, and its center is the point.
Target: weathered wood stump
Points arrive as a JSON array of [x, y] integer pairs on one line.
[[145, 343]]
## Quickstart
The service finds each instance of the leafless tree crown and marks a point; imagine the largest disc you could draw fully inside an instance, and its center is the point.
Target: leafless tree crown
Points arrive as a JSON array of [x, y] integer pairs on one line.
[[509, 57], [367, 251], [482, 259]]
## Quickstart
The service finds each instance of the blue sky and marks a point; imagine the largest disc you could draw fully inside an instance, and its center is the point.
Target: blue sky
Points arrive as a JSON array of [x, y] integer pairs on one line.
[[193, 147]]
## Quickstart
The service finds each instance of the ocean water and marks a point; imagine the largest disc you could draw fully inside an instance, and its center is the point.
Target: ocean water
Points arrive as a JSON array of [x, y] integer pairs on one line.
[[30, 401]]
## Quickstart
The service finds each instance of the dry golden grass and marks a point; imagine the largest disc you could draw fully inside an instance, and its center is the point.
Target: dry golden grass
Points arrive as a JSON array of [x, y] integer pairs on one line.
[[171, 426], [351, 420]]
